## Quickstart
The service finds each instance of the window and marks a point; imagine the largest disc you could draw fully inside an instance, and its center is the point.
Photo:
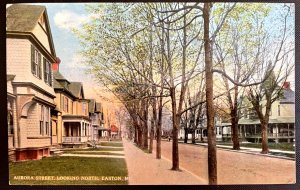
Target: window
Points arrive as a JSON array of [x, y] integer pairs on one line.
[[71, 107], [47, 118], [66, 104], [39, 73], [278, 110], [10, 119], [47, 72], [36, 62], [84, 108], [42, 121]]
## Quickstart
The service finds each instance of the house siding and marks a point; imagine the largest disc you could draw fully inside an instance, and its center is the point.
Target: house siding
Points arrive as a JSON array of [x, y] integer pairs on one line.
[[10, 87], [18, 57], [39, 32], [20, 65], [33, 121]]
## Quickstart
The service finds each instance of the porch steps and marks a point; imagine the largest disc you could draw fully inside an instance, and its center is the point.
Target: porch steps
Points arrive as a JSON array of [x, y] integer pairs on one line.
[[55, 151]]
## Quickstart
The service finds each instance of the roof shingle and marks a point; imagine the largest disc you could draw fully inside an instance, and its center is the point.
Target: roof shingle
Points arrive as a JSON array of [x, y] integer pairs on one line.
[[23, 18]]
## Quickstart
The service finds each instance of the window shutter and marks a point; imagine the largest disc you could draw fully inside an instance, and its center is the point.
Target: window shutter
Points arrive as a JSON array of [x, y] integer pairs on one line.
[[50, 74], [32, 60], [40, 66], [45, 73], [62, 102]]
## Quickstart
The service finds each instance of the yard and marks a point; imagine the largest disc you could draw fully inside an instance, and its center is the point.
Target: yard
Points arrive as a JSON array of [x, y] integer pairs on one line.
[[73, 170]]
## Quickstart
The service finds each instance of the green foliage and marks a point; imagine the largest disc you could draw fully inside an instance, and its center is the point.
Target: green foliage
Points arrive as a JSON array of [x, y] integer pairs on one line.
[[68, 166]]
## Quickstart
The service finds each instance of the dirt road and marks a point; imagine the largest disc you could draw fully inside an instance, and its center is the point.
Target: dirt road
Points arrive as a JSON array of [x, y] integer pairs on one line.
[[234, 167]]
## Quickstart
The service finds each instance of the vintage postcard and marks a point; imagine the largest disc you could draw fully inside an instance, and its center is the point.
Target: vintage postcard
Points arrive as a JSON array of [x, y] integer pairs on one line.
[[151, 93]]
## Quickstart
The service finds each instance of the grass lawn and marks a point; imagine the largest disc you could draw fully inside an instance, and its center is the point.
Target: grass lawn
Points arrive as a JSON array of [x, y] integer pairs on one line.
[[95, 153], [111, 144], [60, 167], [94, 149]]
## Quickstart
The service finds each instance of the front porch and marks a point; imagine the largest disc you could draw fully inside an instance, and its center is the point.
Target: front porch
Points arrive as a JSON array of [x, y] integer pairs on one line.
[[76, 133], [279, 130]]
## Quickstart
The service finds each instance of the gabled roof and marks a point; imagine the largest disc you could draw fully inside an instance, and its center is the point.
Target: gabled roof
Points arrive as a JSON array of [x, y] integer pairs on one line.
[[76, 89], [98, 107], [58, 76], [288, 96], [114, 128], [22, 18], [92, 105]]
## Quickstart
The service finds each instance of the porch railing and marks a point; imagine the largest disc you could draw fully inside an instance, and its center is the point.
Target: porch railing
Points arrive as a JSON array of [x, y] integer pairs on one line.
[[75, 139]]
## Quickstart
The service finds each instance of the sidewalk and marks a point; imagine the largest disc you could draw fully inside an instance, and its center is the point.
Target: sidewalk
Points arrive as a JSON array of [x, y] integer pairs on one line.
[[256, 151], [145, 169]]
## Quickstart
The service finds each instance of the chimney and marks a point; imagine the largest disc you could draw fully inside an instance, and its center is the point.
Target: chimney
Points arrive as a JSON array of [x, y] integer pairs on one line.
[[286, 85], [55, 66]]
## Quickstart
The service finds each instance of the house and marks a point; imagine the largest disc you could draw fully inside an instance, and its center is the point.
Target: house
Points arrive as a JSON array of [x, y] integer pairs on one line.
[[30, 94], [73, 122], [115, 133], [97, 118], [281, 126]]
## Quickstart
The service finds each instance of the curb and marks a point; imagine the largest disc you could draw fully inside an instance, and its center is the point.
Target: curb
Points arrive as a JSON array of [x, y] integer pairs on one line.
[[251, 152]]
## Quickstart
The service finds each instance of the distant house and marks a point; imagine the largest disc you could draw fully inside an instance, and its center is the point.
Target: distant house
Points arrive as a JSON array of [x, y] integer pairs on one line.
[[97, 117], [73, 119], [281, 126], [114, 131], [30, 95]]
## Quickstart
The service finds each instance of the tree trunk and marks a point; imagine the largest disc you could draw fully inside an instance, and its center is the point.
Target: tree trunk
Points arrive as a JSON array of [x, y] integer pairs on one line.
[[175, 152], [146, 126], [264, 138], [185, 135], [193, 137], [235, 133], [145, 136], [151, 136], [211, 137], [176, 123], [158, 129], [135, 134], [140, 138]]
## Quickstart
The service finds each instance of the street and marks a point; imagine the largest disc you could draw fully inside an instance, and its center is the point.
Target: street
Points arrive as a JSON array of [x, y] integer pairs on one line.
[[233, 167]]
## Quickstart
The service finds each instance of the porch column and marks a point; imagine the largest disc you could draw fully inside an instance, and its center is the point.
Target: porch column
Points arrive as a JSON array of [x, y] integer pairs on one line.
[[78, 131], [288, 129], [244, 131], [277, 130], [240, 132], [15, 126], [81, 130], [255, 129]]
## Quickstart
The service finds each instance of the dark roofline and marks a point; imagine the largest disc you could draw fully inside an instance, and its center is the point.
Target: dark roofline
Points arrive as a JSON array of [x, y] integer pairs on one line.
[[50, 33]]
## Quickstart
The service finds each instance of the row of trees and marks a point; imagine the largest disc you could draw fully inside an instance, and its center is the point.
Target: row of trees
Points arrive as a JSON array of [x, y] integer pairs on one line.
[[152, 55]]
